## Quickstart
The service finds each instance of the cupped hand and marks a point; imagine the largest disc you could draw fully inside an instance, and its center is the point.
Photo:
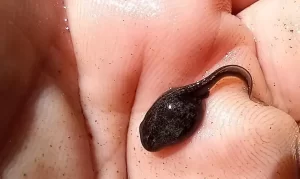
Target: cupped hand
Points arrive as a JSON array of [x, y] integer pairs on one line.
[[77, 79]]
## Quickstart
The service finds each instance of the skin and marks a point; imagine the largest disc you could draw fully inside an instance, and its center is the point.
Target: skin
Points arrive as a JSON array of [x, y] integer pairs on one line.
[[174, 116], [72, 99]]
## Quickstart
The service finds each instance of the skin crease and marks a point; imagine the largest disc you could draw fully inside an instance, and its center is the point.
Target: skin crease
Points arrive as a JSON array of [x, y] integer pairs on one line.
[[74, 113]]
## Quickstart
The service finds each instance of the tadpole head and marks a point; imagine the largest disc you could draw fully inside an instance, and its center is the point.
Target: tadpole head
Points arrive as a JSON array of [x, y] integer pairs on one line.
[[169, 121]]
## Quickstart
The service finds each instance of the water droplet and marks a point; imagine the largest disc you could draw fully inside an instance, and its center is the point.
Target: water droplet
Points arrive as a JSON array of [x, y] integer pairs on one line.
[[67, 28], [65, 7], [65, 20]]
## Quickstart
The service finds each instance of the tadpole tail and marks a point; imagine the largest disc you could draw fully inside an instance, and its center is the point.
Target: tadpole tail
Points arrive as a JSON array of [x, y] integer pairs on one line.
[[230, 70]]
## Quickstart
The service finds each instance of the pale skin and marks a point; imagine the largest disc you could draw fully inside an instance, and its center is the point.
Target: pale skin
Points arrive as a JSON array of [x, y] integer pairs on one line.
[[72, 99]]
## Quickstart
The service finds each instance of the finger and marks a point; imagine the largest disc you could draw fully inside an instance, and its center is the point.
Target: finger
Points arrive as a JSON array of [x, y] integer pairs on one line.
[[107, 46], [39, 95], [277, 37]]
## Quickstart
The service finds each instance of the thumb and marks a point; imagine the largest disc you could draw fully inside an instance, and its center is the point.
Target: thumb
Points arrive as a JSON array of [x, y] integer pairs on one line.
[[245, 138], [238, 137]]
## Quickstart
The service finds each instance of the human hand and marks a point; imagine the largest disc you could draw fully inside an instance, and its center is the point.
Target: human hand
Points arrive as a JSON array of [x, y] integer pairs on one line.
[[77, 116]]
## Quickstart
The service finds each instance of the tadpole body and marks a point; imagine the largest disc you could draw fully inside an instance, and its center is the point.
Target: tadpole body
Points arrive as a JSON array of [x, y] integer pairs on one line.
[[174, 116]]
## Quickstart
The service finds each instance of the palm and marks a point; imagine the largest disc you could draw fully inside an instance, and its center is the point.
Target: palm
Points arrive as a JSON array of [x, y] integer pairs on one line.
[[79, 115]]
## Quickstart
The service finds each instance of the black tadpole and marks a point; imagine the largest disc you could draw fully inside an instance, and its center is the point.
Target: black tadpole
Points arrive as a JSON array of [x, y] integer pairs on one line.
[[175, 114]]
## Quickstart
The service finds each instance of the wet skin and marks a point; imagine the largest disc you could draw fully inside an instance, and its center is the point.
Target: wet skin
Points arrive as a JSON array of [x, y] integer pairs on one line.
[[175, 114]]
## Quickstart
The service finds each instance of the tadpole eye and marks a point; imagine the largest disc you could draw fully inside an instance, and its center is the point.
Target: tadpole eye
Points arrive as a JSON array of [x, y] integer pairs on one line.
[[150, 140], [150, 144]]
